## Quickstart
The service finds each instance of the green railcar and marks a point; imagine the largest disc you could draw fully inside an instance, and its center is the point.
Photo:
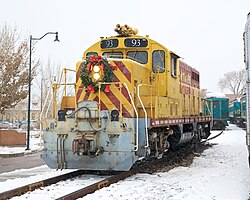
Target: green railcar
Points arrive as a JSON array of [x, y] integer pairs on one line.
[[241, 120], [234, 111], [218, 107]]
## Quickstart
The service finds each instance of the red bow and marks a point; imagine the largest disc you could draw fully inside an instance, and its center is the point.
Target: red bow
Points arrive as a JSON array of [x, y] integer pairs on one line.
[[91, 88], [107, 89]]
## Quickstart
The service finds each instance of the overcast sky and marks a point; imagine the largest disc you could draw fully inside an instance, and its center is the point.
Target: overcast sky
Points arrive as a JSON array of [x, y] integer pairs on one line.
[[206, 33]]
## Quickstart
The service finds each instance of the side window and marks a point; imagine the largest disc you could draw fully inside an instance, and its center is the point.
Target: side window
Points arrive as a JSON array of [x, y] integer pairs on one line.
[[174, 65], [195, 76], [8, 117], [139, 56], [113, 54], [24, 116], [89, 54], [33, 116], [158, 61]]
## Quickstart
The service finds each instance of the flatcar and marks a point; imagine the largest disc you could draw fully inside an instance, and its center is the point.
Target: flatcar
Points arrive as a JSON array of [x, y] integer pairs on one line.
[[134, 98], [219, 109]]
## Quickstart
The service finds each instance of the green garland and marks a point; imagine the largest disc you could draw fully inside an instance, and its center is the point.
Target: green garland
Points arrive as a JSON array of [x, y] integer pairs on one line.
[[107, 71]]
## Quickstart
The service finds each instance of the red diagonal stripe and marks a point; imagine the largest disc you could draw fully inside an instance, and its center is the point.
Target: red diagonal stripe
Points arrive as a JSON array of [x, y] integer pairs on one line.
[[103, 106], [124, 90], [78, 94], [113, 99], [123, 69], [116, 102], [125, 113], [86, 96], [116, 79], [125, 94]]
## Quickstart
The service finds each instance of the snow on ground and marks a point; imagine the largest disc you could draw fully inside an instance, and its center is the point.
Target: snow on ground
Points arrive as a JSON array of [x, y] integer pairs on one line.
[[25, 176], [221, 172]]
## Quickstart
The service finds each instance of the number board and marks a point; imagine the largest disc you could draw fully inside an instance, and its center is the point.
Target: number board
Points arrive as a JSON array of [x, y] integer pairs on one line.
[[136, 42], [112, 43]]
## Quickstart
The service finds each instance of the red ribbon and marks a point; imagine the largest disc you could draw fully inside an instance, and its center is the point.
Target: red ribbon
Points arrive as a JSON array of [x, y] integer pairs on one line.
[[107, 89], [88, 66], [99, 59], [92, 59], [102, 66], [91, 88], [114, 67]]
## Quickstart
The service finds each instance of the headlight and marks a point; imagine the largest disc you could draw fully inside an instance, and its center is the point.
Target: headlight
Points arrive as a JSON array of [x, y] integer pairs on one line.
[[96, 68], [96, 76]]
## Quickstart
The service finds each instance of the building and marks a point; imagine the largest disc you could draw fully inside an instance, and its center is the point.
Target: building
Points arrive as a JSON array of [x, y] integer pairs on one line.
[[20, 112], [231, 97]]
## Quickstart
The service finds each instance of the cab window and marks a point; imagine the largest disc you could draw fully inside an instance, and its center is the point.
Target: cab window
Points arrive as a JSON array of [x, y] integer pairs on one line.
[[139, 56], [158, 61], [113, 54], [174, 65]]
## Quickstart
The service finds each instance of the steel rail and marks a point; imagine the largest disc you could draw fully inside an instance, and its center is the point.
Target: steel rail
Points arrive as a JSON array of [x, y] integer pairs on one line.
[[30, 187], [98, 185]]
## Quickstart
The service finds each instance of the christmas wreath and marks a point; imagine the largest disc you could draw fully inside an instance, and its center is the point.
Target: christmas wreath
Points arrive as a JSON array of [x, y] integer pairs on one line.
[[97, 69]]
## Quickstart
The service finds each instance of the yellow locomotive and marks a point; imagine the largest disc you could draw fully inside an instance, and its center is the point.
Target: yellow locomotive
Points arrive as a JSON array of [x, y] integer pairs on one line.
[[133, 98]]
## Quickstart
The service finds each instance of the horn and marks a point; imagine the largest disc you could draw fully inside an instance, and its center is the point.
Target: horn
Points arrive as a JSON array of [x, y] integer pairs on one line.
[[135, 31]]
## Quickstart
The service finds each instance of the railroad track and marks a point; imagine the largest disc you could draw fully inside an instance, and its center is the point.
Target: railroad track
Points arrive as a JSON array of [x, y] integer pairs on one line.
[[168, 162], [74, 195], [30, 187], [96, 186]]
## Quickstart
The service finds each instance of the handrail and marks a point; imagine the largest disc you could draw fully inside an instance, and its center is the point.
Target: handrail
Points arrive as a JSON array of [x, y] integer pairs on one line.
[[41, 114], [99, 93], [133, 105], [137, 118], [146, 115], [46, 114], [210, 111], [57, 87]]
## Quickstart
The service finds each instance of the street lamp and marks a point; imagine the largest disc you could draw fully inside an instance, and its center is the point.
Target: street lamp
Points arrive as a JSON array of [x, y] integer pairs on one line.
[[29, 95]]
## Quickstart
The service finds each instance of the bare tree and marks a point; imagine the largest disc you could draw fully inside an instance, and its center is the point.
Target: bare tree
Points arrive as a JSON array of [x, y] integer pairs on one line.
[[14, 64], [203, 93], [234, 81], [49, 75]]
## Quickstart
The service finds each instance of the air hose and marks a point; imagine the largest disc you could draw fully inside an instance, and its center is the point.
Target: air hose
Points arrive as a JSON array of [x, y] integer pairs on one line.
[[89, 119]]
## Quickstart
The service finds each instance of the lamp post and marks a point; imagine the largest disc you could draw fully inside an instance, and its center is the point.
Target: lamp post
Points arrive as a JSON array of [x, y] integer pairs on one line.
[[29, 78]]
